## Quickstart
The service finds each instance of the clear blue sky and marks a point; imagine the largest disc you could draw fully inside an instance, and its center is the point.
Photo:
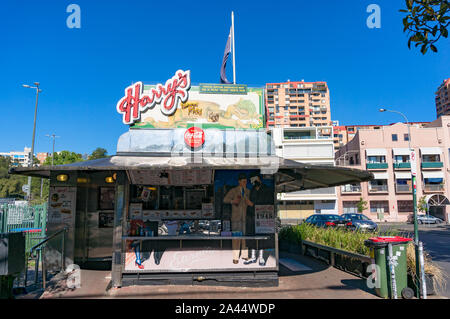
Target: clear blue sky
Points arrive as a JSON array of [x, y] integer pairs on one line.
[[83, 72]]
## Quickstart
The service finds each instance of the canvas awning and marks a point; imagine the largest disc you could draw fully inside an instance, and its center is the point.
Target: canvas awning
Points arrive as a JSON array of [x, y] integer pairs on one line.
[[433, 174], [290, 175], [430, 150], [383, 175], [402, 175], [376, 152], [401, 151]]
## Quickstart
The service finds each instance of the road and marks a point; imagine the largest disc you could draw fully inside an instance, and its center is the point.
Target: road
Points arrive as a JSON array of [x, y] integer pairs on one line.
[[436, 242]]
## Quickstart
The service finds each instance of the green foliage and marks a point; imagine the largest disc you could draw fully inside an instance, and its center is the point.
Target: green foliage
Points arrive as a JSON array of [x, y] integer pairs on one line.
[[11, 185], [362, 205], [63, 157], [98, 153], [422, 205], [352, 241], [426, 21]]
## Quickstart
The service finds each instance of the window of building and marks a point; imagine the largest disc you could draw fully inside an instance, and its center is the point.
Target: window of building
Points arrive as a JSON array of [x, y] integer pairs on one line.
[[350, 207], [379, 206], [406, 137], [405, 206], [394, 138]]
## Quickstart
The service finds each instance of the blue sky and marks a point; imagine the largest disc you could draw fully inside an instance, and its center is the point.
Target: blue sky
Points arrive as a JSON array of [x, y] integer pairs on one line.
[[83, 72]]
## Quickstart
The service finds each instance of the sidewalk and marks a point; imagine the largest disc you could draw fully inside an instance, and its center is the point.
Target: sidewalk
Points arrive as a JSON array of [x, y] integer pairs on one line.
[[312, 279]]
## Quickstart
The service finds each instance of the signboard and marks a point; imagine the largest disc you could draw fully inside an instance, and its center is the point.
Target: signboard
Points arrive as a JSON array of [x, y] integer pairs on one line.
[[178, 105], [264, 219], [413, 160], [61, 208], [169, 177], [194, 137]]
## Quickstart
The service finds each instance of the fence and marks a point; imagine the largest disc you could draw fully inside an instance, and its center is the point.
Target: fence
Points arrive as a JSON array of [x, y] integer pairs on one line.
[[24, 218]]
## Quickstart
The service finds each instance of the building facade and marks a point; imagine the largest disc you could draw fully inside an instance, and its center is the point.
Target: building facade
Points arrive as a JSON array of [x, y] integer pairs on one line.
[[19, 158], [307, 145], [42, 157], [297, 104], [442, 99], [385, 152]]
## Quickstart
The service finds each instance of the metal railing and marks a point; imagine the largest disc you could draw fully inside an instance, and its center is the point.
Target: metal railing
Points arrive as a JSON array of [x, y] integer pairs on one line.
[[403, 188], [40, 256], [378, 188], [433, 188], [351, 189]]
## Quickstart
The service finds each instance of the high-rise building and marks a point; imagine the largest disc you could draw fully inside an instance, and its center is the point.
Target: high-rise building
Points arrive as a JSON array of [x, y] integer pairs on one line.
[[297, 104], [442, 98]]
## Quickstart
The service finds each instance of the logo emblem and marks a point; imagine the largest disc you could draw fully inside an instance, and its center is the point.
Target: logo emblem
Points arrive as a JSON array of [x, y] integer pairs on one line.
[[194, 137]]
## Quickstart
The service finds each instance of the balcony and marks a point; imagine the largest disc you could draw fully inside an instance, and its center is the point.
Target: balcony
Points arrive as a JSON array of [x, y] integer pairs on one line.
[[378, 189], [350, 189], [402, 165], [403, 188], [431, 188], [376, 165], [432, 165]]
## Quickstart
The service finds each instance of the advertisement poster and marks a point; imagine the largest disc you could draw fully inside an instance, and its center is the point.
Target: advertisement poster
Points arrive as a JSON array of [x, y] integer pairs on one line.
[[61, 208], [169, 177], [264, 219], [211, 108], [151, 256]]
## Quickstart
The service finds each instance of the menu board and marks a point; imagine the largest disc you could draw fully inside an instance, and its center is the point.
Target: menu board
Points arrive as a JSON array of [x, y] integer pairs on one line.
[[264, 219], [175, 178], [136, 211], [61, 205]]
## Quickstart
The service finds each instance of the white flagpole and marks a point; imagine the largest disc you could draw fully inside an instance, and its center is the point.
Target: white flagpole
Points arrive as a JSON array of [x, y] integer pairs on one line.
[[232, 35]]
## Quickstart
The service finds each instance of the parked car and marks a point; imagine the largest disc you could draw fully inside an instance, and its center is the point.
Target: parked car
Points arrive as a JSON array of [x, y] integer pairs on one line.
[[360, 222], [424, 219], [326, 220]]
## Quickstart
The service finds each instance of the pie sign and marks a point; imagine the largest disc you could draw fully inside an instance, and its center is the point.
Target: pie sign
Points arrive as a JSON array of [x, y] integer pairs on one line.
[[194, 137]]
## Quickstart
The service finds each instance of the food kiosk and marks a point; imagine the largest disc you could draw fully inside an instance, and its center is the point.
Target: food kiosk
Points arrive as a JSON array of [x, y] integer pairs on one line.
[[190, 195]]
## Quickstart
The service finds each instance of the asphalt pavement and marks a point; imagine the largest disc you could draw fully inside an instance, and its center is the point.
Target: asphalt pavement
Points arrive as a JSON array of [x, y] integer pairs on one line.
[[436, 242]]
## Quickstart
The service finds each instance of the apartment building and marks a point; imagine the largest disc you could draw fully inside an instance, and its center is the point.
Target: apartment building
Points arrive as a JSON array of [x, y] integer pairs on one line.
[[345, 133], [297, 104], [442, 98], [307, 145], [42, 157], [385, 152], [19, 158]]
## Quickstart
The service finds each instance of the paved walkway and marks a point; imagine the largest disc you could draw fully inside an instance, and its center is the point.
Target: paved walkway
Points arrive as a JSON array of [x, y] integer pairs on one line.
[[311, 279]]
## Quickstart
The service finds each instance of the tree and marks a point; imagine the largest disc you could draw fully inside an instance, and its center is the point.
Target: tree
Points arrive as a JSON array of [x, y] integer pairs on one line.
[[98, 153], [426, 22], [362, 205], [422, 205], [64, 157]]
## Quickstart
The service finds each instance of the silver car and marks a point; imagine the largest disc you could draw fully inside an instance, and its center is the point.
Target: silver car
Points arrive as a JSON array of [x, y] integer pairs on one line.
[[425, 219], [360, 222]]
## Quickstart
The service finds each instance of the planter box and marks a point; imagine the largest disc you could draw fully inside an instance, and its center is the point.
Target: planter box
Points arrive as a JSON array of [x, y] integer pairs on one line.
[[295, 248], [283, 245]]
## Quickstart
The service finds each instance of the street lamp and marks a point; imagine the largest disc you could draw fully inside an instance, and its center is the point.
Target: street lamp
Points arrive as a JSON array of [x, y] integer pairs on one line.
[[34, 132], [53, 152], [413, 181]]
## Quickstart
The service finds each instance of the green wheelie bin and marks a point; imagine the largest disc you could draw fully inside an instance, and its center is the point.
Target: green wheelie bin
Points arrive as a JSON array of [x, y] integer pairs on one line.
[[379, 252]]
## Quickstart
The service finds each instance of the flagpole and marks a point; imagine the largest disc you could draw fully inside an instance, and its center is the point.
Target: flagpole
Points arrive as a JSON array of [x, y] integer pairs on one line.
[[232, 35]]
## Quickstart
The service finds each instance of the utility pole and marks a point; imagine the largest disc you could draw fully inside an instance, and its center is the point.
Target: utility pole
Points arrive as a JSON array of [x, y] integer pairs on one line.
[[34, 133], [53, 136]]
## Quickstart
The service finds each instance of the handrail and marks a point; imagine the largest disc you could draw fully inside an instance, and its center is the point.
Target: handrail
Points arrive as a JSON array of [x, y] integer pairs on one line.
[[47, 239]]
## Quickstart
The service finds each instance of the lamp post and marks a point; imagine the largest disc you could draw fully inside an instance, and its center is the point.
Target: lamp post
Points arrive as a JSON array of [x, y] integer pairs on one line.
[[34, 132], [53, 151], [413, 181]]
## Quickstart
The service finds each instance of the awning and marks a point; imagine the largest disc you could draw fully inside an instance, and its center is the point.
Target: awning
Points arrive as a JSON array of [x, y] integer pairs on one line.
[[402, 175], [401, 151], [433, 174], [376, 152], [430, 150], [383, 175], [290, 175]]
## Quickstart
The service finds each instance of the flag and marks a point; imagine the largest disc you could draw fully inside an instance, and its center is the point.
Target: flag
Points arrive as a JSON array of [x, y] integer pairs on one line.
[[223, 75]]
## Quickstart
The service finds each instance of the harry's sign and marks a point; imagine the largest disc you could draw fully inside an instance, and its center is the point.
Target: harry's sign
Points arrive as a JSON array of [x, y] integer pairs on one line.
[[168, 96]]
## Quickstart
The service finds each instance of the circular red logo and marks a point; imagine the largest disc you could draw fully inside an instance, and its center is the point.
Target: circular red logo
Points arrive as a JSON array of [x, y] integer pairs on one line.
[[194, 137]]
